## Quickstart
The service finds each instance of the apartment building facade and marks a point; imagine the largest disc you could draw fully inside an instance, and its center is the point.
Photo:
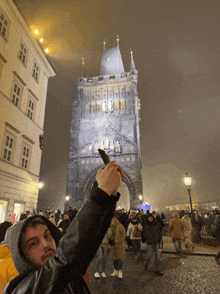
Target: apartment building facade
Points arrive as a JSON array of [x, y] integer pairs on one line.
[[24, 74]]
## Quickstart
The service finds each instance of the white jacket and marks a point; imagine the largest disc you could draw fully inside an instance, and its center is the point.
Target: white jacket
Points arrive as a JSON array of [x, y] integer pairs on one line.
[[131, 229]]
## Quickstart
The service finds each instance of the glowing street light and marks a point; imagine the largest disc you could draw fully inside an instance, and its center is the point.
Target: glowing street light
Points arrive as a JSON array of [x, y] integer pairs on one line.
[[67, 198], [41, 40], [47, 50], [36, 32], [188, 181], [40, 185], [140, 197]]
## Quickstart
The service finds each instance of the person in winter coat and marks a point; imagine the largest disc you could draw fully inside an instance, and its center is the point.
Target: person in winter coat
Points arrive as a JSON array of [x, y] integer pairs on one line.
[[47, 263], [187, 227], [216, 234], [118, 233], [3, 228], [7, 268], [176, 226], [134, 233], [52, 219], [129, 220], [64, 225], [123, 217], [153, 234], [101, 257]]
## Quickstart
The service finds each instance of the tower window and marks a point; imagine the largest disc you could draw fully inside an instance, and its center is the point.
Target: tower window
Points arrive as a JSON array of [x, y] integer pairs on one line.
[[103, 105], [116, 105], [110, 105], [98, 107], [122, 105], [92, 108]]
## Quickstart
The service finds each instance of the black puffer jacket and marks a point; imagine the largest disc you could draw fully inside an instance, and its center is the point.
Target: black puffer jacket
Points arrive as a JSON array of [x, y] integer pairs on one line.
[[152, 232], [63, 273]]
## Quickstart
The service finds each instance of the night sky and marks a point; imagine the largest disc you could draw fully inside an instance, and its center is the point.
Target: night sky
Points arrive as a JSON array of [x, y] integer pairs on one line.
[[175, 46]]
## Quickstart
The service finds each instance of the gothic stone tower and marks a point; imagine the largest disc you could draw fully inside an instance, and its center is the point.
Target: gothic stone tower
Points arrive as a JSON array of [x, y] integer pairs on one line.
[[105, 115]]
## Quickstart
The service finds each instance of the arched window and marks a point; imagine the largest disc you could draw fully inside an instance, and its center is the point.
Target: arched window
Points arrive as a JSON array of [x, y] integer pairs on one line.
[[103, 105], [98, 106], [117, 145], [116, 104], [93, 107], [122, 105], [110, 105]]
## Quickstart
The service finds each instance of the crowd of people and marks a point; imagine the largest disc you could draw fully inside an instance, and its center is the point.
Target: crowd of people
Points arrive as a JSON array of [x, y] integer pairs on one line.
[[46, 252]]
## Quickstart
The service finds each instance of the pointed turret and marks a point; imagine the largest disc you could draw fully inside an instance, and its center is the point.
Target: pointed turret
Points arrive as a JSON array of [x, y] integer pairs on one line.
[[132, 62], [117, 41], [82, 67], [111, 61]]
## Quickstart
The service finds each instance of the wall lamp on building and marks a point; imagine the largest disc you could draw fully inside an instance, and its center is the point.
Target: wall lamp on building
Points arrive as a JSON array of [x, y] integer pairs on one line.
[[140, 197], [67, 198], [188, 182], [40, 185]]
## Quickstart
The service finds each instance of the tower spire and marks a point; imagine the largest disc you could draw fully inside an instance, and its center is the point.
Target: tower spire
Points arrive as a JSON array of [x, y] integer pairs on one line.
[[82, 66], [104, 44], [117, 41], [132, 61]]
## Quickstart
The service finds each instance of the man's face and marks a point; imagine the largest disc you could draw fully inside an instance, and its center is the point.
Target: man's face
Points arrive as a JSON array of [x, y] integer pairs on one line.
[[150, 218], [38, 245], [65, 217]]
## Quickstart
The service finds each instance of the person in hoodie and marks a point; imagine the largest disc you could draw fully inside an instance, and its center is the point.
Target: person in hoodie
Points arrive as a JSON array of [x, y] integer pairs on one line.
[[7, 268], [153, 235], [64, 224], [135, 239], [176, 227], [47, 263]]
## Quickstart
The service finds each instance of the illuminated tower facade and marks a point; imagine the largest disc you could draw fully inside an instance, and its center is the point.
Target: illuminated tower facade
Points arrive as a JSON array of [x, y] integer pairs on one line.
[[105, 115]]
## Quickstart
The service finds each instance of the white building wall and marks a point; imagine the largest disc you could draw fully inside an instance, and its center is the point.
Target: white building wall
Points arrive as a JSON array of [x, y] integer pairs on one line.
[[19, 184]]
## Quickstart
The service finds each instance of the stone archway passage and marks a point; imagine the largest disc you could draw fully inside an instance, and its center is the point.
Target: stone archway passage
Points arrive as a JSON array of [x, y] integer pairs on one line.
[[124, 201]]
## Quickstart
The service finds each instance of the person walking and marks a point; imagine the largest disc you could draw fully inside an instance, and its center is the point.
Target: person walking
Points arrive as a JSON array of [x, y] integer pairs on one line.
[[118, 234], [153, 234], [187, 227], [101, 257], [134, 233], [176, 226], [129, 220], [64, 225], [216, 234]]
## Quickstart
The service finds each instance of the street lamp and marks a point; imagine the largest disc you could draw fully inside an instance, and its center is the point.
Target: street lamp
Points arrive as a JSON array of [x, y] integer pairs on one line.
[[140, 197], [67, 198], [188, 181], [40, 185]]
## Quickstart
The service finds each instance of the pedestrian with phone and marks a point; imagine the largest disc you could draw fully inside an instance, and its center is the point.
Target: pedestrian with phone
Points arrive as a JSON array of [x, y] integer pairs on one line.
[[47, 263]]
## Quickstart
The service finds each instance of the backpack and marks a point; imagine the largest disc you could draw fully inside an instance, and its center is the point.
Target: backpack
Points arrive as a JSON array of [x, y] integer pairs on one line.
[[137, 232]]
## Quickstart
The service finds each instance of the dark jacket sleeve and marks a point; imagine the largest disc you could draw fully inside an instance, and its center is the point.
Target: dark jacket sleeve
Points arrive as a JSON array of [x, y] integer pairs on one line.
[[76, 249]]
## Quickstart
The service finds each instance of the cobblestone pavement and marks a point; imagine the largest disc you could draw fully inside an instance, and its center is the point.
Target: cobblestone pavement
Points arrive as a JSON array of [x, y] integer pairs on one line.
[[182, 275]]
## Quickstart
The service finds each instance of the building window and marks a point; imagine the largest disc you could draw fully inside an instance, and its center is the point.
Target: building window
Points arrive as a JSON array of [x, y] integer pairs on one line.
[[31, 108], [115, 105], [122, 105], [99, 107], [3, 25], [25, 157], [110, 105], [103, 105], [8, 147], [23, 54], [35, 73], [92, 108], [16, 93]]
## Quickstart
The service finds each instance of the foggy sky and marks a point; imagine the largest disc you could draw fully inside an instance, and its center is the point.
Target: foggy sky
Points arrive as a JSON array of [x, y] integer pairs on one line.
[[175, 46]]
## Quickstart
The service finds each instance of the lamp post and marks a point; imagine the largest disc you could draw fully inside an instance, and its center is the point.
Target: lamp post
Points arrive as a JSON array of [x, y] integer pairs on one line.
[[188, 181]]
